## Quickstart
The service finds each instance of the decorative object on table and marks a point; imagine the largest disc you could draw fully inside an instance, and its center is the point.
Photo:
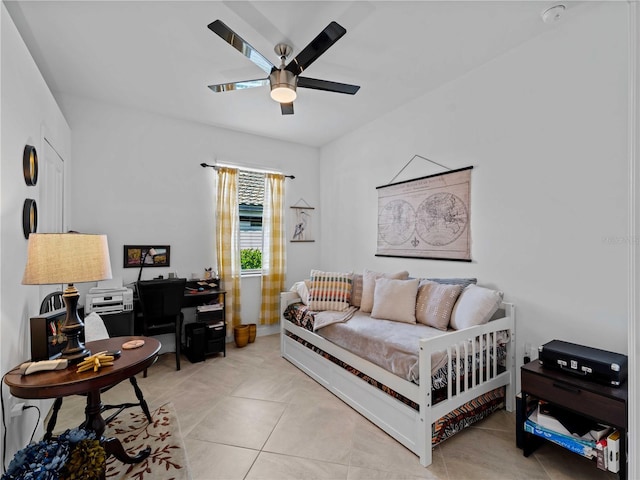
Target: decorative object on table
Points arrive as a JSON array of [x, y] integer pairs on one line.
[[30, 165], [241, 335], [427, 217], [29, 217], [54, 258], [27, 368], [302, 221], [252, 332], [47, 339], [130, 345], [95, 362]]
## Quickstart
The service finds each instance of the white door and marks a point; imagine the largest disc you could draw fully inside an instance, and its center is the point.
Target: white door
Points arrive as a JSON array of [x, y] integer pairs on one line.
[[51, 204]]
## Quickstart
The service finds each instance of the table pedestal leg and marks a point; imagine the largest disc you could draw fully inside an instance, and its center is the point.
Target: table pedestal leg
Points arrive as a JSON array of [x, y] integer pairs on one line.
[[112, 446]]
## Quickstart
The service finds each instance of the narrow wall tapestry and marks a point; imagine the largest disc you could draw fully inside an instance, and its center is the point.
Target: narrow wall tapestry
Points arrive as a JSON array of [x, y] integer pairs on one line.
[[426, 217], [302, 221]]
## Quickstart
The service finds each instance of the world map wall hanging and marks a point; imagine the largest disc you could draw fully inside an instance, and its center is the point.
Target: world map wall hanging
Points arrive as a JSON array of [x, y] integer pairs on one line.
[[427, 217]]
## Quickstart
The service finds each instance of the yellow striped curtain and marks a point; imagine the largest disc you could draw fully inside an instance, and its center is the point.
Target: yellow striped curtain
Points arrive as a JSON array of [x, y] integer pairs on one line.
[[228, 241], [273, 248]]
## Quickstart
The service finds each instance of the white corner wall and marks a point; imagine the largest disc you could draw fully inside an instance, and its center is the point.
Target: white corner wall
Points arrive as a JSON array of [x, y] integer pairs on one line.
[[29, 114], [545, 127]]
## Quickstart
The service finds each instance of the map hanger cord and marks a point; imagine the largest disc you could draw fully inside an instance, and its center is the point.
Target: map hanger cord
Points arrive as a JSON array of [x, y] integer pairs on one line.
[[412, 158]]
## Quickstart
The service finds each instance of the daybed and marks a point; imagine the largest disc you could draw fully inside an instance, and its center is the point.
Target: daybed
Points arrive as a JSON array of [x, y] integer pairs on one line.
[[419, 401]]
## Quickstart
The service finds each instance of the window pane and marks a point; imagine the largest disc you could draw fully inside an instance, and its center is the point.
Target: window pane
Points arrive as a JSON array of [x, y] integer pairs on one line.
[[251, 199]]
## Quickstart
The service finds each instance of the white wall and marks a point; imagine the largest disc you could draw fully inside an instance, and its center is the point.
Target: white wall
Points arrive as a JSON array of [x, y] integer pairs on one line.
[[137, 178], [545, 127], [29, 114]]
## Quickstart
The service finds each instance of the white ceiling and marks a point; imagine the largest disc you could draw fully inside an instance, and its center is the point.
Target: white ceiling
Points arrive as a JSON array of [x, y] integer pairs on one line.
[[160, 56]]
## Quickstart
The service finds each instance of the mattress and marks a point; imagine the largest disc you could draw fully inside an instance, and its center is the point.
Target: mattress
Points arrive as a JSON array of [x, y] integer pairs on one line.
[[391, 345]]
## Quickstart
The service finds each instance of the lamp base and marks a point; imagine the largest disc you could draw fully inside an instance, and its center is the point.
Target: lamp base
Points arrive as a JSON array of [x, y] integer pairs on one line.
[[73, 327]]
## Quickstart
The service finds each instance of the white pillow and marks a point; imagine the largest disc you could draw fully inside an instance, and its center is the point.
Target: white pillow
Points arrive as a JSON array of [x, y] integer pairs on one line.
[[369, 285], [475, 306], [395, 300], [302, 289]]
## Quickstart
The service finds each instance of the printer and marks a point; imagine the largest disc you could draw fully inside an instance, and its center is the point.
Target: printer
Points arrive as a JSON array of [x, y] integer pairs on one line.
[[109, 297]]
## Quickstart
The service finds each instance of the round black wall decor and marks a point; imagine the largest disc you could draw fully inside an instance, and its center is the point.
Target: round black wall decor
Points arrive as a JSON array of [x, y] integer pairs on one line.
[[30, 165], [29, 217]]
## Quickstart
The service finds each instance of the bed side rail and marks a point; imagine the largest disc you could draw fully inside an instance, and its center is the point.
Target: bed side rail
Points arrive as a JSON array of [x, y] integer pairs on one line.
[[478, 343]]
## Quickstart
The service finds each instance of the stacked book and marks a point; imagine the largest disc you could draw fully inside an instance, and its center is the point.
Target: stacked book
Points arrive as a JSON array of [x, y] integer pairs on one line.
[[573, 432]]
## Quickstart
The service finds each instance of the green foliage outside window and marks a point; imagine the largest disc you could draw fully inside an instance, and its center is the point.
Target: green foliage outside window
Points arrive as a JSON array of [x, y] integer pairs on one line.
[[250, 259]]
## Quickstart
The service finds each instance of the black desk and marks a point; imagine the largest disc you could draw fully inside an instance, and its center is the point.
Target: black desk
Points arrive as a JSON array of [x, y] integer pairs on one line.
[[191, 299]]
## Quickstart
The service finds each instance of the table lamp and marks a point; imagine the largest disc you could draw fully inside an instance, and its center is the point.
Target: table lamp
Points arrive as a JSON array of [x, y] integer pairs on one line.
[[54, 258], [151, 252]]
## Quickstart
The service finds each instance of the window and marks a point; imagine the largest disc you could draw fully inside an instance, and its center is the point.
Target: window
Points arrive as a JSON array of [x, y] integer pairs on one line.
[[250, 199]]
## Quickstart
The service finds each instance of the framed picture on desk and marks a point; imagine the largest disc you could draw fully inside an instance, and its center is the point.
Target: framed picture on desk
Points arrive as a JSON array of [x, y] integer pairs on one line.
[[152, 256]]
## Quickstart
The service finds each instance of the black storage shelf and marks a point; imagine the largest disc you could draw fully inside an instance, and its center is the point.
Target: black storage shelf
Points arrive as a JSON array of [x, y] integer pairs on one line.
[[207, 335]]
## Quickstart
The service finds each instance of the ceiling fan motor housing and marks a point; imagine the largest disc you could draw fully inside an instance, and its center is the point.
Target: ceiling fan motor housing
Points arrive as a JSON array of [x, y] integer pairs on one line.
[[283, 85]]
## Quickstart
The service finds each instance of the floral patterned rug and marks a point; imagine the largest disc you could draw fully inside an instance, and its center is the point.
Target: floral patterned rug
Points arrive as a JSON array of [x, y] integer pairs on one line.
[[168, 459]]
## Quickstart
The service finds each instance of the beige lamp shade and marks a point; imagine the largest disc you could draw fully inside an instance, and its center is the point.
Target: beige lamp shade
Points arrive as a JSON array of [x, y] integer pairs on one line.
[[54, 258]]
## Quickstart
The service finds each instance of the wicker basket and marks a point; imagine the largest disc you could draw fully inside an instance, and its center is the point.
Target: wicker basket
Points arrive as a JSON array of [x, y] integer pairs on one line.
[[252, 332], [241, 335]]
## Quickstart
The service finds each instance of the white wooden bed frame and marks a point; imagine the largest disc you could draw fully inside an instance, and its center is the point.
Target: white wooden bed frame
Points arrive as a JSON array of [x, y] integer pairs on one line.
[[408, 426]]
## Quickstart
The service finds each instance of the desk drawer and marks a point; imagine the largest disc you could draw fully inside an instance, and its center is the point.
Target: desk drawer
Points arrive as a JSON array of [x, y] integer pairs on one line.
[[215, 332], [604, 409]]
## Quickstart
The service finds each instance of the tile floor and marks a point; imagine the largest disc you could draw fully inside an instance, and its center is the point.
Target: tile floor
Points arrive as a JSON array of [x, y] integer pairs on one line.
[[252, 415]]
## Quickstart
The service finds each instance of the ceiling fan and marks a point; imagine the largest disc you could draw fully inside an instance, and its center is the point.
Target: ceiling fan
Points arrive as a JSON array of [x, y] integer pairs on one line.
[[284, 79]]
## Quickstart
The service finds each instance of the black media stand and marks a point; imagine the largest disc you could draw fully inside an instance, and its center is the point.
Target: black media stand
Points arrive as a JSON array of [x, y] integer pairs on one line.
[[601, 403]]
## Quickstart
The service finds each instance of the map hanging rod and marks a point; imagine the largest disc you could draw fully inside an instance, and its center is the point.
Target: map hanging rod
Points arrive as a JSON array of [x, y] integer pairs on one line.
[[412, 158]]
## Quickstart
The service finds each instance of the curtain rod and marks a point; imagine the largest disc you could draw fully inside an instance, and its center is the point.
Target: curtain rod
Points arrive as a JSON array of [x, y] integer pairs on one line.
[[215, 167]]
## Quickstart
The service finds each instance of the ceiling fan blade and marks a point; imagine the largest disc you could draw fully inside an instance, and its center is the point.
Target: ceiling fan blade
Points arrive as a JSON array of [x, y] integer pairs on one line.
[[330, 35], [327, 85], [286, 108], [236, 41], [227, 87]]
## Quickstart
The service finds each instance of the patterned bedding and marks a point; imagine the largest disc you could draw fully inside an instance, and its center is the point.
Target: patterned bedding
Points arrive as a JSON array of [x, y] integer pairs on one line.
[[390, 345]]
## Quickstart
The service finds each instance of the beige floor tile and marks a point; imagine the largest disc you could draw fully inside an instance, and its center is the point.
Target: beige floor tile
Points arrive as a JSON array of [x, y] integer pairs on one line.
[[315, 432], [241, 422], [266, 384], [214, 461], [374, 449], [360, 473], [271, 466], [484, 453]]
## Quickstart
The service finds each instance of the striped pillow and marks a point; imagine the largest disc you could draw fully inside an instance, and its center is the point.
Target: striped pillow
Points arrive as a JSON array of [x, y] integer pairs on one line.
[[329, 291]]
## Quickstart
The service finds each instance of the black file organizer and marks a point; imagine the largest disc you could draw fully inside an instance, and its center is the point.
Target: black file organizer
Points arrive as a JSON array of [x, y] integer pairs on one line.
[[206, 336]]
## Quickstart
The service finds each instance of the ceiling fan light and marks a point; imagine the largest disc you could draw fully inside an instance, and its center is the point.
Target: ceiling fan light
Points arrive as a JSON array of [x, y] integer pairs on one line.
[[283, 86]]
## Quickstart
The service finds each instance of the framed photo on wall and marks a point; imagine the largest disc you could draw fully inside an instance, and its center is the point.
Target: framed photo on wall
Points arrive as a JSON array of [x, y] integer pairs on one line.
[[152, 256]]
